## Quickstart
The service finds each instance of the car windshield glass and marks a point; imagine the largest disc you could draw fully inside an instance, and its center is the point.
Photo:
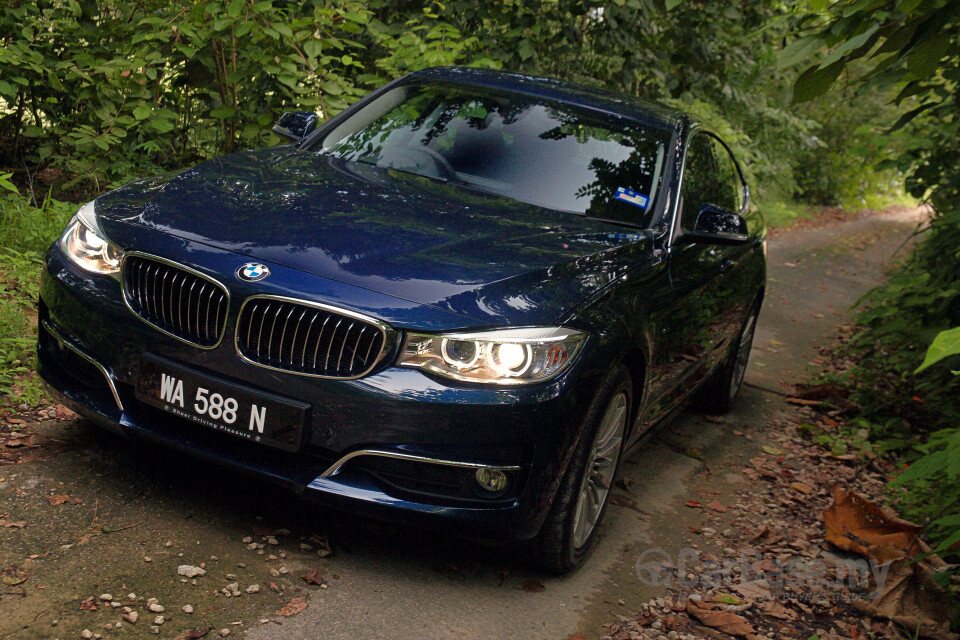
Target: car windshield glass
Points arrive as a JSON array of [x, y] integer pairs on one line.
[[523, 147]]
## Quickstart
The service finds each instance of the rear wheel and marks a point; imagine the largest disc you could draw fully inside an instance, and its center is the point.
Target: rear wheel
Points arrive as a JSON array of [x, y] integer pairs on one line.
[[578, 508], [720, 392]]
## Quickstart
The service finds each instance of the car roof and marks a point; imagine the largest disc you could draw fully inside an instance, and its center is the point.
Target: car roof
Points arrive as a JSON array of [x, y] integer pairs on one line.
[[645, 111]]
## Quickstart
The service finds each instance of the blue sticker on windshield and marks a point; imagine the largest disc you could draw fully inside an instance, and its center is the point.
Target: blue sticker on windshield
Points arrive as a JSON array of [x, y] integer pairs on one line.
[[634, 198]]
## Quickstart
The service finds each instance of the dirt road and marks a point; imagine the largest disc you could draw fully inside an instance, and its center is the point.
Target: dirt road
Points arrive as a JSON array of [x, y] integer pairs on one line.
[[131, 516]]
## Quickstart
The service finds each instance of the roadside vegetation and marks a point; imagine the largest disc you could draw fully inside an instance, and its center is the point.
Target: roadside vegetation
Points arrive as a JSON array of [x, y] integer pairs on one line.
[[904, 381]]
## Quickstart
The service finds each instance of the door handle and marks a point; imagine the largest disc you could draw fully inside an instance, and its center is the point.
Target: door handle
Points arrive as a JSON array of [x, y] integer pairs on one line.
[[726, 264]]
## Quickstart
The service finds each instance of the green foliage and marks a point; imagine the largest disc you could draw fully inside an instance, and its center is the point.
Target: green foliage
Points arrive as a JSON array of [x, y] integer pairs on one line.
[[909, 51], [946, 344], [27, 232], [91, 93]]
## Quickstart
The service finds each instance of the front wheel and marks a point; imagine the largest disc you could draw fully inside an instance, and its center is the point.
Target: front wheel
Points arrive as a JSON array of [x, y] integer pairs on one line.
[[578, 508]]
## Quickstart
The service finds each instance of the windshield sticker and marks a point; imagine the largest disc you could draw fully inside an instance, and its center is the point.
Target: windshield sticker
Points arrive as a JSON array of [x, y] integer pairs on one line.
[[634, 198]]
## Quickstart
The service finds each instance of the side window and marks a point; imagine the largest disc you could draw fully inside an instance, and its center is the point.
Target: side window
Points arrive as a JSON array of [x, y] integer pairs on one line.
[[731, 187], [700, 179]]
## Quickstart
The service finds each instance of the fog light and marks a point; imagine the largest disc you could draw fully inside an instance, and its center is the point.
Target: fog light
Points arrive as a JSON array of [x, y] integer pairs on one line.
[[492, 480]]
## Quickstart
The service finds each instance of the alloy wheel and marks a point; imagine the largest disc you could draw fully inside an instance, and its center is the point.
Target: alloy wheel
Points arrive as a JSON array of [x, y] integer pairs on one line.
[[600, 466]]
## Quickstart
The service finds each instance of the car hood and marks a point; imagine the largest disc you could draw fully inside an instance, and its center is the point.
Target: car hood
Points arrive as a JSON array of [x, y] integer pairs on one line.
[[490, 258]]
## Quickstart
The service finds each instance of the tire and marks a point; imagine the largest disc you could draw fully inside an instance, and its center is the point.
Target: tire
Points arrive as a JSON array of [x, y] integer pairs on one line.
[[719, 393], [566, 539]]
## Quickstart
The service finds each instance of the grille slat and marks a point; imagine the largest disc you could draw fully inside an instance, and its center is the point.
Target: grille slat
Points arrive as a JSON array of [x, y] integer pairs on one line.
[[271, 332], [164, 295]]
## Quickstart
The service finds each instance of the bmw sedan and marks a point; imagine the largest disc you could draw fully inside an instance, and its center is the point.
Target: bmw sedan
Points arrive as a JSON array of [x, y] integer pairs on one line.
[[460, 303]]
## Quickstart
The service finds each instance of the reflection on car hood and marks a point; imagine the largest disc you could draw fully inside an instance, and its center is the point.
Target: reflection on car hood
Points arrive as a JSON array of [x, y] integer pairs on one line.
[[482, 256]]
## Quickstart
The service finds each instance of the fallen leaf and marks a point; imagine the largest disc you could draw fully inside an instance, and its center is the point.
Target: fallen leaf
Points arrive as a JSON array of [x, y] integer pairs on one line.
[[772, 451], [716, 506], [313, 577], [724, 621], [803, 488], [533, 585], [292, 608], [726, 598], [324, 543], [13, 443], [65, 414], [693, 504], [766, 535], [855, 524], [804, 403], [752, 590], [624, 501], [89, 604], [9, 524], [58, 499], [193, 634], [776, 610], [912, 599], [14, 576]]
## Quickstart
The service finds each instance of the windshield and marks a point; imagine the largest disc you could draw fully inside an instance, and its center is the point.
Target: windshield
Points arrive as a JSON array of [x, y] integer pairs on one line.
[[523, 147]]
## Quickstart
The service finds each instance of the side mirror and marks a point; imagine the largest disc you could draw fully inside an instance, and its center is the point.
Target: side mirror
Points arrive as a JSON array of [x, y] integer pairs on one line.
[[296, 124], [716, 225]]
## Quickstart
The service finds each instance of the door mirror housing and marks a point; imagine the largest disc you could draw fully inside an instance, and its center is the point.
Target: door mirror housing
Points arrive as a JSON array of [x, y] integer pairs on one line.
[[296, 124], [716, 225]]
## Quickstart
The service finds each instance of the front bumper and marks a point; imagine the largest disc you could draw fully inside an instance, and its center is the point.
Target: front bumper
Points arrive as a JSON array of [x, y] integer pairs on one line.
[[389, 445]]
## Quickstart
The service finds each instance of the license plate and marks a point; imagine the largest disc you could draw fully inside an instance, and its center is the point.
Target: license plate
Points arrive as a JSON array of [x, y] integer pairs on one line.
[[224, 406]]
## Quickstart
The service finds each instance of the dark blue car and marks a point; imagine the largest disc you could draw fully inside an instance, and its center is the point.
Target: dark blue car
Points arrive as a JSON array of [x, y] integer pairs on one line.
[[458, 303]]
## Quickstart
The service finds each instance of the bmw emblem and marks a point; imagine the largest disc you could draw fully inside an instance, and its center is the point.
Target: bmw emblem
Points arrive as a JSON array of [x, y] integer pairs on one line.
[[253, 272]]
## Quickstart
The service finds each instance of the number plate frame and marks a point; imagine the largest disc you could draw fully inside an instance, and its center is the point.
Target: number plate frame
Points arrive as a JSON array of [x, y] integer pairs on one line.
[[283, 427]]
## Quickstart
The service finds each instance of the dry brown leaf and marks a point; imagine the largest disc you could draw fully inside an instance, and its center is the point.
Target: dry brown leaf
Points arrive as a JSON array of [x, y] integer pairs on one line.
[[313, 577], [708, 614], [802, 487], [13, 443], [65, 414], [693, 504], [58, 499], [804, 403], [776, 610], [324, 543], [10, 524], [292, 608], [533, 585], [912, 599], [752, 590], [855, 524], [89, 604], [716, 506], [624, 501], [193, 634]]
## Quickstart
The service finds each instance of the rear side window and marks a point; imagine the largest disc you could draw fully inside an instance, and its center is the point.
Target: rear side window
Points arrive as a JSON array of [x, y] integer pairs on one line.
[[701, 182], [731, 187]]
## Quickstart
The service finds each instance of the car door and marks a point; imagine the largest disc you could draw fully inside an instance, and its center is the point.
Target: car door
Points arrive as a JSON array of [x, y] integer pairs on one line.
[[739, 289], [694, 333]]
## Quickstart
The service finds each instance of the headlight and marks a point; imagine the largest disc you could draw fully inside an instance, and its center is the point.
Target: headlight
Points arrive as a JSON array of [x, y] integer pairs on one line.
[[502, 356], [84, 244]]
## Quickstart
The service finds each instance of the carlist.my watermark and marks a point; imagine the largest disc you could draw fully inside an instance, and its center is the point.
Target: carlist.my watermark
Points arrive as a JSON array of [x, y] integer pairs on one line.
[[798, 578]]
